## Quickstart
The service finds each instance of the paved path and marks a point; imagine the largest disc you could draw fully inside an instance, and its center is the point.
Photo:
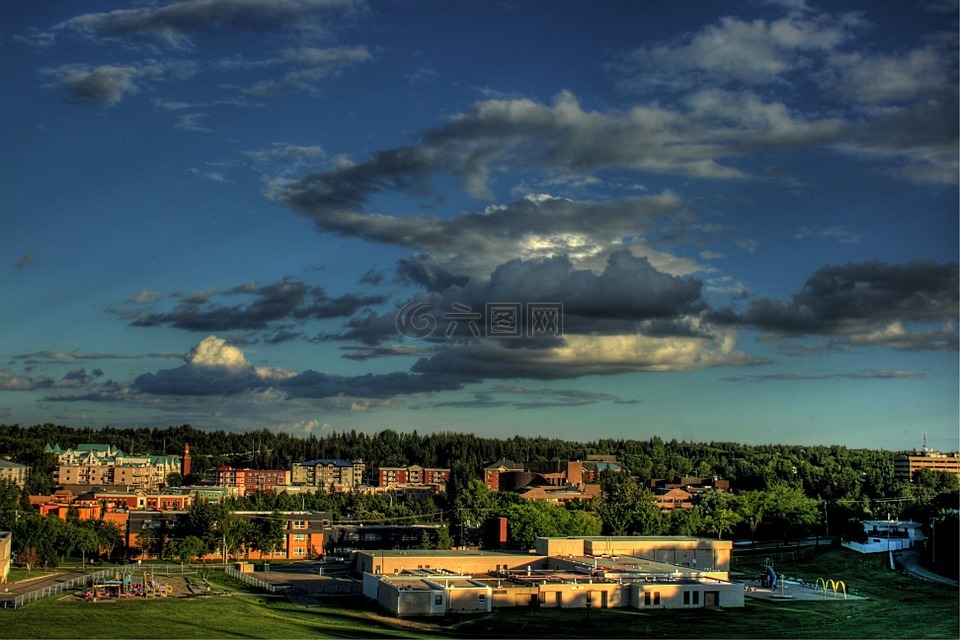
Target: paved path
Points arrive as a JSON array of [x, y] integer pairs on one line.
[[13, 589], [910, 561]]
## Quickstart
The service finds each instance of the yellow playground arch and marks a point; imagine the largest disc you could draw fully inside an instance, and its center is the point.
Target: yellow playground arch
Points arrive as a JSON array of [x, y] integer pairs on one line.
[[836, 585]]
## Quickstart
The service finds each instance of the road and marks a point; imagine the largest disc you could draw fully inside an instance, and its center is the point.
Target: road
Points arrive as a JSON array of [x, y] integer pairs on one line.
[[910, 561]]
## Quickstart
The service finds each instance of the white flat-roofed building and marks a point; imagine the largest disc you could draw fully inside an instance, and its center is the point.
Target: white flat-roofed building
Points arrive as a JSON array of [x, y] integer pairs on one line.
[[888, 535], [427, 582]]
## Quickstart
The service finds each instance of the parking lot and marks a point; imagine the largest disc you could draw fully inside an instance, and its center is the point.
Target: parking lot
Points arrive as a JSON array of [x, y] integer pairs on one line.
[[312, 578]]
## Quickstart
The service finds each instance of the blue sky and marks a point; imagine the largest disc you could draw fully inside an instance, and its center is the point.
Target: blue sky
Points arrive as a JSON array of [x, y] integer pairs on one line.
[[214, 212]]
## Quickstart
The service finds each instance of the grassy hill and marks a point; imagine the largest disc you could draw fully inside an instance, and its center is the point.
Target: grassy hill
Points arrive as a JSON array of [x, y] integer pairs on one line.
[[893, 606]]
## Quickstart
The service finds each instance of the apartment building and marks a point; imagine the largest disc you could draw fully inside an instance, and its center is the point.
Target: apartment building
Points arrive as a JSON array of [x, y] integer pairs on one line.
[[329, 473], [414, 475], [251, 480], [104, 465], [14, 472]]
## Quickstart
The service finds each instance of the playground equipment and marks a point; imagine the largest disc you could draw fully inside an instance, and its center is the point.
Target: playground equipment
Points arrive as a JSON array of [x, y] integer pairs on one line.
[[831, 584], [768, 577]]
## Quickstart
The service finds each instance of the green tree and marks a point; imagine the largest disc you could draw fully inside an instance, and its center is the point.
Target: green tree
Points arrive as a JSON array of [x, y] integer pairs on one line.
[[788, 508], [10, 504], [528, 520], [202, 520], [150, 542], [751, 506], [629, 509], [109, 537], [185, 549], [231, 532], [444, 539], [719, 511], [35, 540], [685, 522], [86, 541], [473, 505], [267, 533]]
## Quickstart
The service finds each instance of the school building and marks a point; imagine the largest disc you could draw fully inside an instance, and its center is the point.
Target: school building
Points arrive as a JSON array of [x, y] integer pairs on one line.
[[642, 572]]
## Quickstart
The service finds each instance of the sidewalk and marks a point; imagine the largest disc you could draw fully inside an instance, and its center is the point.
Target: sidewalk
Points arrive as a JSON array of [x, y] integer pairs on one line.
[[14, 589]]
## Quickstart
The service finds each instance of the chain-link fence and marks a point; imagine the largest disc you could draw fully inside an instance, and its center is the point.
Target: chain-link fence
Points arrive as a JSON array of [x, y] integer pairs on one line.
[[85, 580]]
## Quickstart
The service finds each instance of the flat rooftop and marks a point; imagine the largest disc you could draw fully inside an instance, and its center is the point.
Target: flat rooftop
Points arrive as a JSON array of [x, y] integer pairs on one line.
[[623, 564], [620, 539], [444, 553]]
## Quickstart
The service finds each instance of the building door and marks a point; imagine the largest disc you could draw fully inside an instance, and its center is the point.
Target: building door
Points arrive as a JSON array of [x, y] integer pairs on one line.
[[711, 598], [603, 599]]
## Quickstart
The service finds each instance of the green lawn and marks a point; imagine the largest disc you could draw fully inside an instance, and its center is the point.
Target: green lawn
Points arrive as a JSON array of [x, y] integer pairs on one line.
[[895, 606], [17, 575], [200, 617]]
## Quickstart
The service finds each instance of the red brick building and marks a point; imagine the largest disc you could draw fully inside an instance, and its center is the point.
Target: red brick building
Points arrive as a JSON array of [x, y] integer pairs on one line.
[[250, 480], [413, 476]]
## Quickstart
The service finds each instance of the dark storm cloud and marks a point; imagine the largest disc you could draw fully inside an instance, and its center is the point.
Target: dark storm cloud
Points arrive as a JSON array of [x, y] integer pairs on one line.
[[629, 295], [288, 299], [405, 170], [422, 271], [869, 302]]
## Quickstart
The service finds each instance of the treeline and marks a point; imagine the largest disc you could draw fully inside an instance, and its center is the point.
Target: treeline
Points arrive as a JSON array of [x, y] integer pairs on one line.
[[826, 472]]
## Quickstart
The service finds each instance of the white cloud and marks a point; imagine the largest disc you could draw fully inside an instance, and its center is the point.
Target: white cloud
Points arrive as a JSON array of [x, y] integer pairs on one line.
[[878, 78], [753, 52], [215, 352], [581, 355]]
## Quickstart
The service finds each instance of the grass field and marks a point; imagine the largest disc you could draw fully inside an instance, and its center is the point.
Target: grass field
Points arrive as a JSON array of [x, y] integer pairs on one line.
[[894, 606]]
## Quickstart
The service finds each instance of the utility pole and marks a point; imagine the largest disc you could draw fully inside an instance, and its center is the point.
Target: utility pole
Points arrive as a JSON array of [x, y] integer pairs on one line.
[[826, 519]]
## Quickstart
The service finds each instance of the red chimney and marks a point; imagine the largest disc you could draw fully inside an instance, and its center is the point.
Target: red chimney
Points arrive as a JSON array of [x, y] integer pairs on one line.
[[185, 465]]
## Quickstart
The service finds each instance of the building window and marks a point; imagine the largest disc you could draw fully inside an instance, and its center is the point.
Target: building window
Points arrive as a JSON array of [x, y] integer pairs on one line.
[[299, 537], [696, 597], [438, 600], [646, 598], [482, 597], [656, 598]]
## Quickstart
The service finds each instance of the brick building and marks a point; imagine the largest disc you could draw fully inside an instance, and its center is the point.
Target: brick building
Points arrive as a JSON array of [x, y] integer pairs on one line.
[[250, 480], [414, 475]]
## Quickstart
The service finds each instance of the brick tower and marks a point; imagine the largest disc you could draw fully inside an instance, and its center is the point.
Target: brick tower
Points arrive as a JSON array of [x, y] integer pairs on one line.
[[185, 466]]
